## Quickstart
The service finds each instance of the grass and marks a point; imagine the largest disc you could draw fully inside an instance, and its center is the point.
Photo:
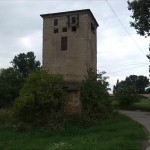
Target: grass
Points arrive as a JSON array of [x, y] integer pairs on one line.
[[116, 133], [5, 115], [143, 104]]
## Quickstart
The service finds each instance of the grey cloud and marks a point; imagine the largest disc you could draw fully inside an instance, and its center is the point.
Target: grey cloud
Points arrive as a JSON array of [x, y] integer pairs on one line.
[[21, 19]]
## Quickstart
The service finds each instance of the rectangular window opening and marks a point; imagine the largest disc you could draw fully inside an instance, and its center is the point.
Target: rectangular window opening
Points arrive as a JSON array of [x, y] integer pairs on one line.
[[55, 22], [73, 20], [93, 28], [64, 42]]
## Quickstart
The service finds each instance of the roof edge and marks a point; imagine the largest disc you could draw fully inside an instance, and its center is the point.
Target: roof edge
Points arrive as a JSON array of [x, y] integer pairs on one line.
[[66, 12]]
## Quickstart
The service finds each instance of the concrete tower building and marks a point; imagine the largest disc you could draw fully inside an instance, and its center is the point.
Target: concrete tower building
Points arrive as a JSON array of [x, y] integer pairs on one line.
[[70, 44]]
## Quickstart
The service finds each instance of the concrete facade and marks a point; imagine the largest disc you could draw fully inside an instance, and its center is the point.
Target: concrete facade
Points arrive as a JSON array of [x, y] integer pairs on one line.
[[79, 31], [81, 50]]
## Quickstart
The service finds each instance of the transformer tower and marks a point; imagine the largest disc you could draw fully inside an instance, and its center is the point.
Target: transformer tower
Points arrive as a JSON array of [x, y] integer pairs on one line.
[[70, 47]]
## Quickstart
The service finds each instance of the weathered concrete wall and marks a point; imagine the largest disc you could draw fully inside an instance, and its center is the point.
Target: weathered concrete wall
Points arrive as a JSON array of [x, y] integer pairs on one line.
[[81, 52], [74, 105]]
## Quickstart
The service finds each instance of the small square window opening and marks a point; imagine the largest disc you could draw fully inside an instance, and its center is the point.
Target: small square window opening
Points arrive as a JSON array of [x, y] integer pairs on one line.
[[74, 28], [64, 29], [56, 30]]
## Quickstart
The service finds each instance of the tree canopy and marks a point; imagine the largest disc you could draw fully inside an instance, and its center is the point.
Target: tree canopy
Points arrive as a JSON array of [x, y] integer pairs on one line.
[[141, 16], [139, 82], [25, 63], [12, 79], [10, 83]]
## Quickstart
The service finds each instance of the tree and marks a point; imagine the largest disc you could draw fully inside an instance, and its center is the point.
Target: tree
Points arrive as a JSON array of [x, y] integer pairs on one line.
[[126, 96], [10, 83], [139, 82], [141, 16], [94, 94], [25, 63], [115, 87]]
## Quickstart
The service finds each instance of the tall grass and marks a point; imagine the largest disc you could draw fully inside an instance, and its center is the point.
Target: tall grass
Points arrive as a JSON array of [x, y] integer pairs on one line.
[[116, 133], [143, 104]]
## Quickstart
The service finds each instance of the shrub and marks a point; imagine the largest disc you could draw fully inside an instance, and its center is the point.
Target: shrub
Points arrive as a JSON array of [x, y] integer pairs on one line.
[[126, 96], [94, 95], [41, 98]]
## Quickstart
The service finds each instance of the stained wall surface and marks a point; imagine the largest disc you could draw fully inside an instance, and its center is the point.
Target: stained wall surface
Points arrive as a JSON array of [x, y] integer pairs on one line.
[[80, 30], [81, 50]]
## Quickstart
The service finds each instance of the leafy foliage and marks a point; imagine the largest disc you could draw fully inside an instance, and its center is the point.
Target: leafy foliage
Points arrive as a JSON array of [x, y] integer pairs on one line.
[[127, 92], [141, 16], [10, 83], [147, 91], [94, 95], [126, 96], [5, 115], [138, 82], [41, 97], [25, 63]]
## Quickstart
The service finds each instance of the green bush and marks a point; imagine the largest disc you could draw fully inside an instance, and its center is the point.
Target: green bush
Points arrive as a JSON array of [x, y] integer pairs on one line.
[[94, 95], [126, 96], [41, 98]]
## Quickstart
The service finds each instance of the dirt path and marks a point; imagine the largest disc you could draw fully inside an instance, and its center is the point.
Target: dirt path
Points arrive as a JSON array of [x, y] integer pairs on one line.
[[141, 117]]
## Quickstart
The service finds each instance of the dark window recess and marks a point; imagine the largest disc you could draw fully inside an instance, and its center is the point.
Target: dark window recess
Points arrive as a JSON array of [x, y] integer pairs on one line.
[[78, 20], [68, 21], [55, 30], [63, 43], [64, 29], [93, 28], [73, 20], [74, 28], [55, 22]]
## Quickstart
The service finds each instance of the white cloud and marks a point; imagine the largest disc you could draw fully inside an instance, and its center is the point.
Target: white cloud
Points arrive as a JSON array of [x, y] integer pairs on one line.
[[26, 42]]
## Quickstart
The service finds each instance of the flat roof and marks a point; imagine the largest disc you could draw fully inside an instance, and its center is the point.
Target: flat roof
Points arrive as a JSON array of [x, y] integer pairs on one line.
[[70, 12]]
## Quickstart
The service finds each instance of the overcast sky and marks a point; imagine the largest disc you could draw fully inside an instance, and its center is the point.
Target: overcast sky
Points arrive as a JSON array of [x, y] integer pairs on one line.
[[120, 51]]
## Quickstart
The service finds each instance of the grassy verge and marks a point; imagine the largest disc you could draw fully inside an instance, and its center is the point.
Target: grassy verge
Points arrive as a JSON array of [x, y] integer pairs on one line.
[[116, 133], [143, 104]]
